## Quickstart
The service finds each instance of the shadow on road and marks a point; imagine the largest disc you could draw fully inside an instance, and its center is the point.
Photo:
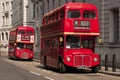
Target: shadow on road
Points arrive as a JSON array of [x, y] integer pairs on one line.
[[69, 71]]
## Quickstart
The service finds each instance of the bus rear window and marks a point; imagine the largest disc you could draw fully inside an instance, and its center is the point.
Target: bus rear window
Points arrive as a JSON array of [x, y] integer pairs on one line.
[[89, 14], [73, 14]]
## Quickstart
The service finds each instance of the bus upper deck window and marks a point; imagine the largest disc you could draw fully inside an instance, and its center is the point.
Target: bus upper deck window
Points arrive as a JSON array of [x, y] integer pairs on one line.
[[21, 32], [89, 14], [73, 14]]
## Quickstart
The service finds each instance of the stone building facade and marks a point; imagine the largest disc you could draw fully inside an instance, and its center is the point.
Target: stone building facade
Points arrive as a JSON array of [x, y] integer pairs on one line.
[[22, 13], [6, 15], [109, 17]]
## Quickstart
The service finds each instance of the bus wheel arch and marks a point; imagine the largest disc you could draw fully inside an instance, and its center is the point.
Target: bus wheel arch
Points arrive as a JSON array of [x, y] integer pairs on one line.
[[44, 62], [95, 69], [62, 67]]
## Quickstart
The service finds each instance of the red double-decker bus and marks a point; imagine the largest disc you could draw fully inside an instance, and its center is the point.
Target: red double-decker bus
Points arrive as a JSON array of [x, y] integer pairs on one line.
[[21, 41], [68, 37]]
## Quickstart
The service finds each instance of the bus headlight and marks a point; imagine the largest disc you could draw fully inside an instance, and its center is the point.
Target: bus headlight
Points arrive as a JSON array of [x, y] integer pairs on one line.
[[95, 59], [68, 59], [18, 47]]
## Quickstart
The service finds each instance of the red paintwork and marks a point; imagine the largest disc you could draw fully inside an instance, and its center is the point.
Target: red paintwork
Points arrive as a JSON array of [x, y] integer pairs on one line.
[[76, 54], [52, 29], [23, 53]]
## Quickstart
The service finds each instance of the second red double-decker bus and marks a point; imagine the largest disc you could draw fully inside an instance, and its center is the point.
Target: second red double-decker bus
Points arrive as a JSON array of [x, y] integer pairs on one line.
[[68, 37], [21, 41]]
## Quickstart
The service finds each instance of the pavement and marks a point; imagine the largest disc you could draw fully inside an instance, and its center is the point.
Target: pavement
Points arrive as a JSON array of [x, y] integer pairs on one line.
[[110, 72]]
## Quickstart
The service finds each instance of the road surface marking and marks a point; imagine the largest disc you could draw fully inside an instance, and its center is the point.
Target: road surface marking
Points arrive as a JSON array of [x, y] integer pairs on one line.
[[49, 78], [35, 73]]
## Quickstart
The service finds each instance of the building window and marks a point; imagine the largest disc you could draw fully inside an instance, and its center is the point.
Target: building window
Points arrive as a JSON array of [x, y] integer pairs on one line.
[[43, 8], [11, 18], [116, 24], [7, 5], [53, 4], [3, 7], [84, 1], [73, 0], [48, 4], [3, 21], [37, 13], [34, 11], [11, 4], [6, 36], [66, 1], [2, 36], [59, 2]]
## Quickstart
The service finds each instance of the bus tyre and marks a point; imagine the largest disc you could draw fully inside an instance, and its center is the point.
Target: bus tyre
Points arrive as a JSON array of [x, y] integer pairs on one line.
[[95, 69], [62, 67], [31, 59], [44, 64], [9, 57]]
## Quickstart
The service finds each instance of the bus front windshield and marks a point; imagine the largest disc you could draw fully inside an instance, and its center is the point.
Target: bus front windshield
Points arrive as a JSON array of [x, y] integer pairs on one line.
[[72, 41], [24, 46], [88, 42]]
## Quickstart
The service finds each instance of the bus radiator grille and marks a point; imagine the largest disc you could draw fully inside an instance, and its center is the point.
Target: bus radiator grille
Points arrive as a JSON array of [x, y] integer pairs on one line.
[[82, 60], [24, 55]]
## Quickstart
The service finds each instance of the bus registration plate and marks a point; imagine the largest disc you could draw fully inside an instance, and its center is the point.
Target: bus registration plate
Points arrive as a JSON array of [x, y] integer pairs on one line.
[[81, 67]]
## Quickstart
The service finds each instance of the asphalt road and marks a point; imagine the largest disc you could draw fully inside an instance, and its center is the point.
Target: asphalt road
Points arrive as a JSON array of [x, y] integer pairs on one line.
[[30, 70], [12, 72]]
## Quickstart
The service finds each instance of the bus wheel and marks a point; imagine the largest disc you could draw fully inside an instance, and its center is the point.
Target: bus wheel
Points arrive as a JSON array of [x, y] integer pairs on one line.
[[44, 64], [95, 69], [31, 59], [62, 67], [9, 58]]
